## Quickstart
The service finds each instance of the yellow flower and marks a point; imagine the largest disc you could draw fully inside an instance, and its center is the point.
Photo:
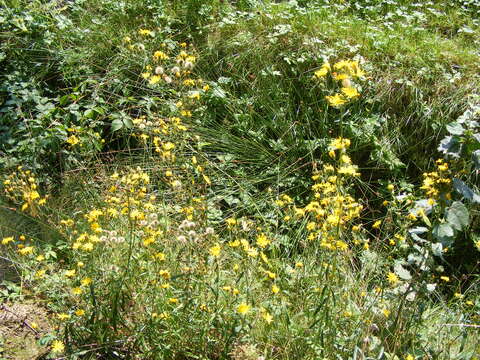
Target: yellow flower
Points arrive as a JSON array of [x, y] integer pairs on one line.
[[168, 146], [321, 73], [80, 312], [262, 241], [445, 278], [26, 250], [173, 301], [58, 347], [160, 256], [86, 281], [243, 308], [411, 216], [77, 291], [165, 274], [160, 55], [392, 278], [275, 289], [7, 240], [377, 224], [231, 222], [144, 32], [267, 317], [409, 357], [63, 316], [215, 250], [70, 273], [350, 92], [154, 79], [271, 275], [73, 140], [336, 100], [40, 274], [234, 243]]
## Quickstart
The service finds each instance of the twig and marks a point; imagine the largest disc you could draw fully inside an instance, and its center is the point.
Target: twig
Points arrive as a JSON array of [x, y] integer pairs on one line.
[[24, 321]]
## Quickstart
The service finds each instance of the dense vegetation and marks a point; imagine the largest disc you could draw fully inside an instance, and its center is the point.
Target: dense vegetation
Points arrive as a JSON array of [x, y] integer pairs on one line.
[[214, 179]]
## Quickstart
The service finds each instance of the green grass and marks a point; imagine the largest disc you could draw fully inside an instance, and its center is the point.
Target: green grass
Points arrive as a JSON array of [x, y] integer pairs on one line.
[[260, 132]]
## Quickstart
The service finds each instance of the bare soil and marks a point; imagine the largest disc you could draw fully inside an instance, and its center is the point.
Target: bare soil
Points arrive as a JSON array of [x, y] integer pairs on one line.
[[21, 326]]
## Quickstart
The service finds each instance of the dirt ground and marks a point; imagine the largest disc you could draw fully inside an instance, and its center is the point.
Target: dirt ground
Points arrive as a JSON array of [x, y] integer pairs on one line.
[[21, 325]]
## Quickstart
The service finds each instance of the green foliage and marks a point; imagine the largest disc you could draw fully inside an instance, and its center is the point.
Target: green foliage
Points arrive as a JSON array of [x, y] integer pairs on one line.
[[246, 161]]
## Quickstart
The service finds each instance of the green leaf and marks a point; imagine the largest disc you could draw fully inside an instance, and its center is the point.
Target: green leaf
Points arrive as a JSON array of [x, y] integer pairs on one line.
[[437, 249], [402, 273], [117, 124], [464, 190], [455, 128], [127, 122], [476, 159], [89, 113], [458, 216], [443, 233]]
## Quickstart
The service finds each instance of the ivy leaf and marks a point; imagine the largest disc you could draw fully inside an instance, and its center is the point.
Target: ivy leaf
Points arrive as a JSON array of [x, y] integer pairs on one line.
[[464, 190], [458, 216]]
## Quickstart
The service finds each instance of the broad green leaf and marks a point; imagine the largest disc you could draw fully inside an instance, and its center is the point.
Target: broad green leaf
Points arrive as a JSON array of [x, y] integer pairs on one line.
[[117, 124], [437, 249], [402, 273], [476, 159], [128, 122], [458, 216], [465, 191], [443, 233], [455, 128], [451, 146]]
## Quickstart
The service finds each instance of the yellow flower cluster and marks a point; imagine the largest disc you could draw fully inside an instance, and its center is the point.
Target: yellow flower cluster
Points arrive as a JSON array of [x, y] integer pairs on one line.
[[344, 73], [437, 183], [22, 187], [331, 210], [171, 66]]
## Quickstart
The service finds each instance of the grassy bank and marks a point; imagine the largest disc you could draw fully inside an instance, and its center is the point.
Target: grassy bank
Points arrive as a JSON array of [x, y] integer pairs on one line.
[[243, 180]]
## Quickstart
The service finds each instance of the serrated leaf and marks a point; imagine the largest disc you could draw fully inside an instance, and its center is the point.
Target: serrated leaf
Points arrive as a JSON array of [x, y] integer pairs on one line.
[[464, 190], [458, 216]]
